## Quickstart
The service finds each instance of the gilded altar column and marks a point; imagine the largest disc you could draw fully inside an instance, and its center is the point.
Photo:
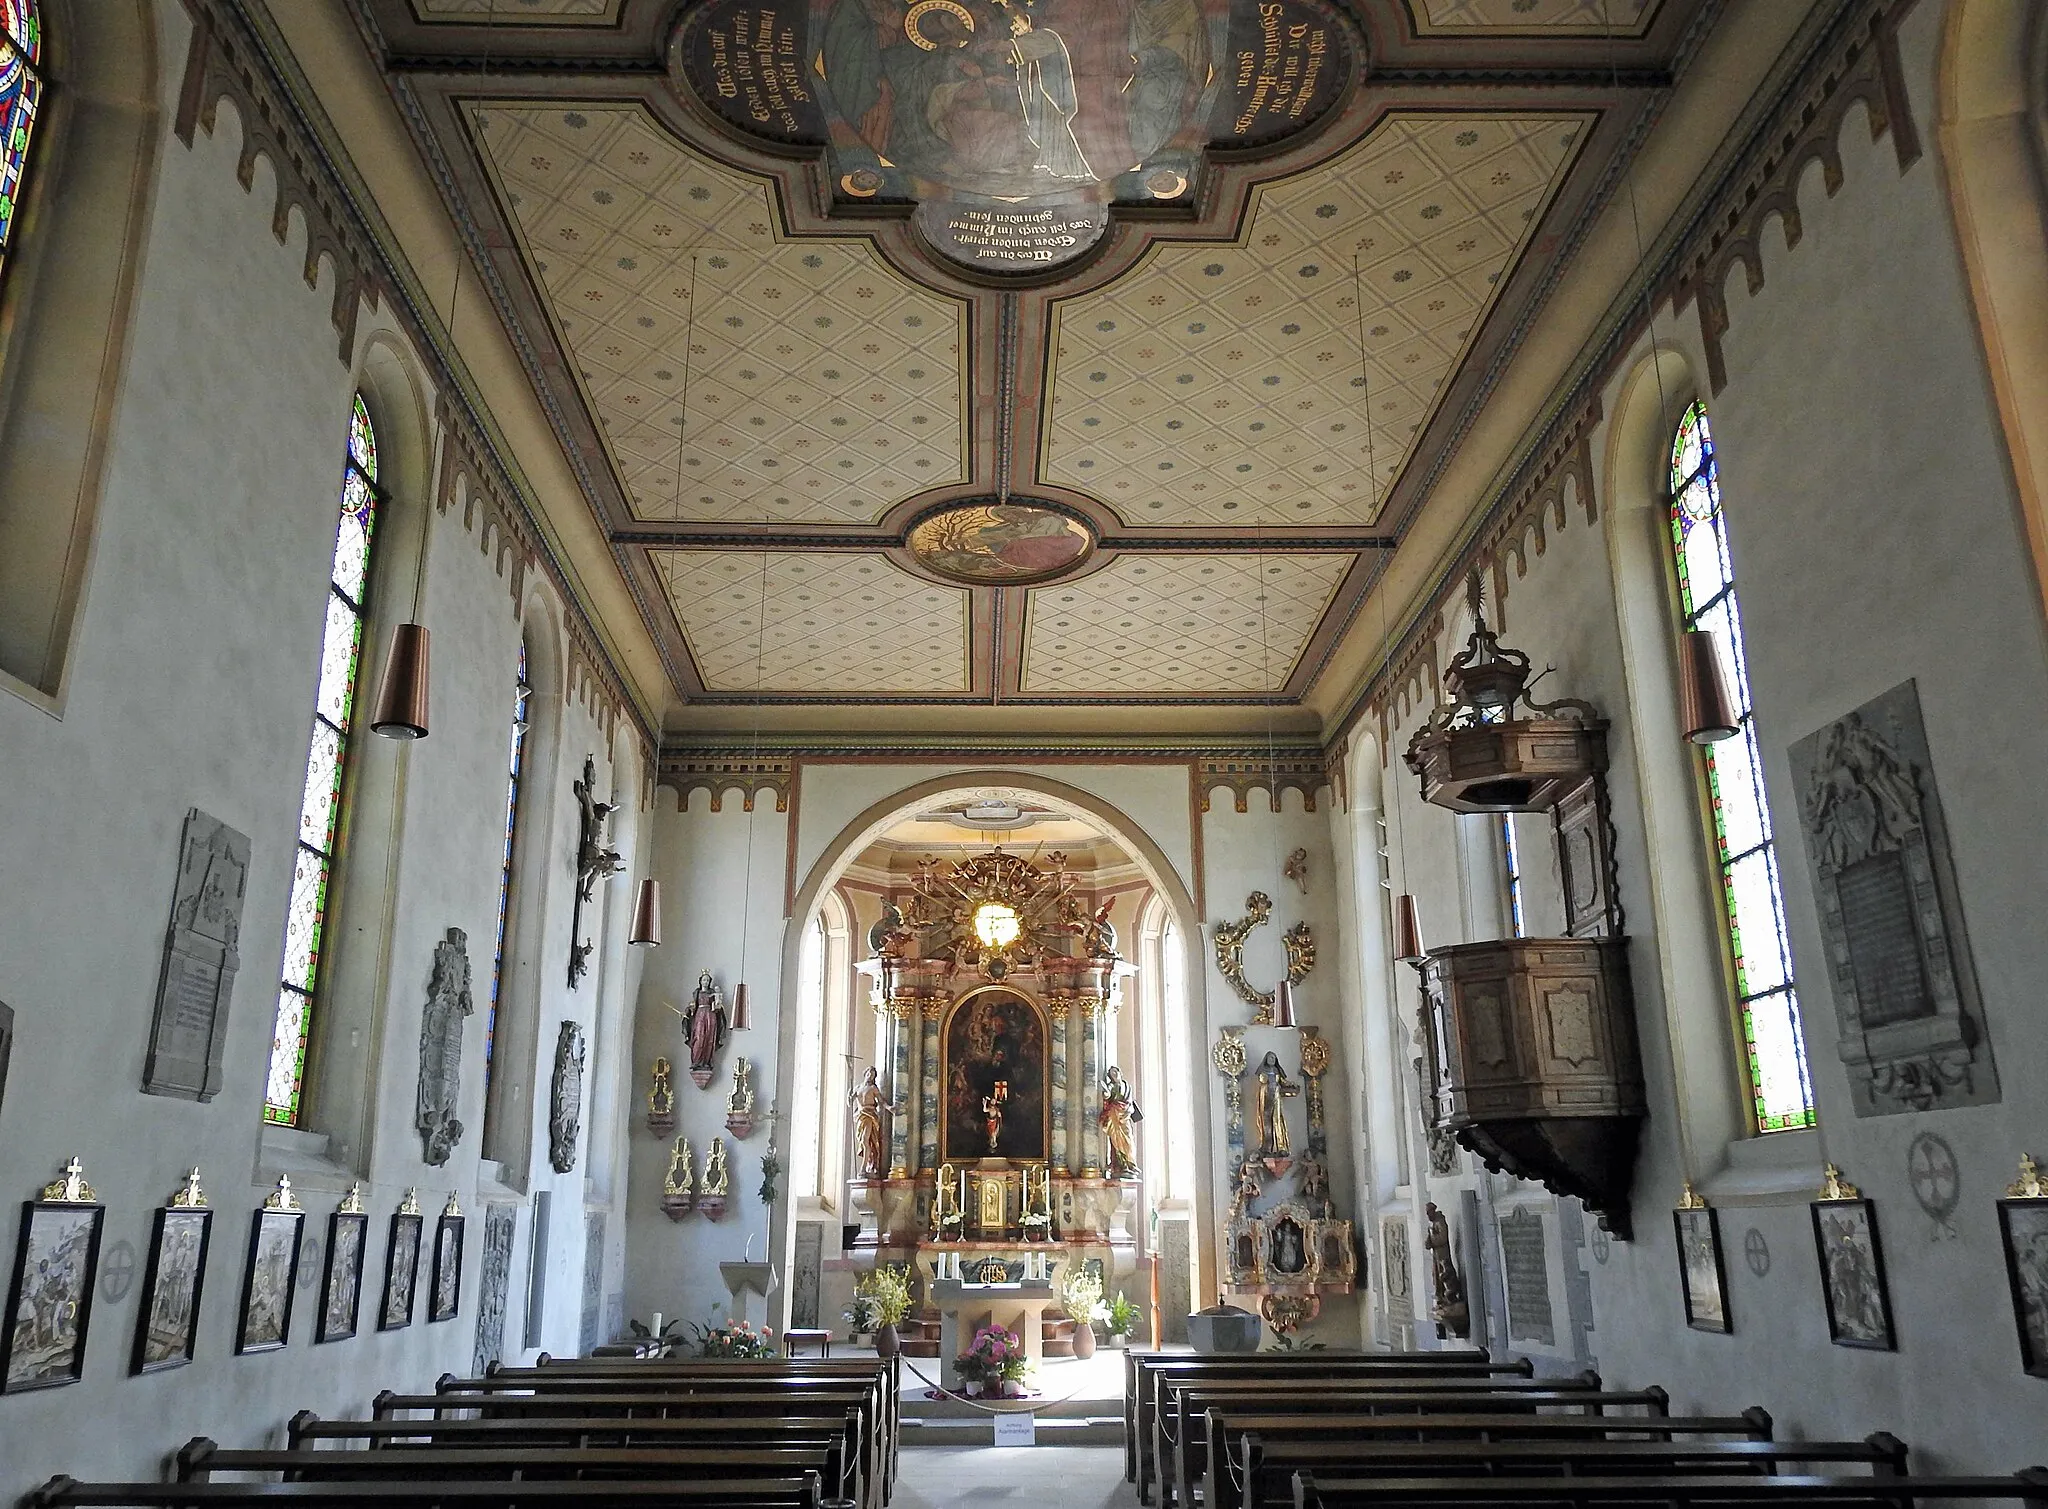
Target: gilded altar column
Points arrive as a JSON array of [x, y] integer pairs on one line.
[[899, 1087], [1059, 1009], [928, 1089], [1090, 1008]]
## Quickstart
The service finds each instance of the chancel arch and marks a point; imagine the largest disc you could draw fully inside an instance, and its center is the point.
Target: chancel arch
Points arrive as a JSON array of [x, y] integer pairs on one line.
[[1057, 1017]]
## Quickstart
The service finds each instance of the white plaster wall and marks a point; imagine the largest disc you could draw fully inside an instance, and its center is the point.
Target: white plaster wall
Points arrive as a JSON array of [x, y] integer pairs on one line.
[[193, 686], [1875, 539]]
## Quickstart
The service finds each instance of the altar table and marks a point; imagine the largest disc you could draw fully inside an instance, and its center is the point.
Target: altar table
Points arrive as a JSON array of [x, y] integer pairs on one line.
[[965, 1308]]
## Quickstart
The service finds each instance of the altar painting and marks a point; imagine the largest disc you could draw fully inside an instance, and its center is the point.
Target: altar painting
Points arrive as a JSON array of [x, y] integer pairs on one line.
[[994, 1068]]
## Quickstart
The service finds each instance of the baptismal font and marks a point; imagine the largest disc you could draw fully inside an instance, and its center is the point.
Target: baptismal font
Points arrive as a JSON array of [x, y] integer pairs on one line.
[[990, 1145]]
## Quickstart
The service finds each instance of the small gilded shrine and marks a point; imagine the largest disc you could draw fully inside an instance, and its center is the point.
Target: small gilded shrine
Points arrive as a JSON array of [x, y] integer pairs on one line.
[[992, 1127]]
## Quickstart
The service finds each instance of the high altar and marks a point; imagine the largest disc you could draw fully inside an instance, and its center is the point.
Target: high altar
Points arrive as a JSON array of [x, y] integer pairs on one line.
[[998, 988]]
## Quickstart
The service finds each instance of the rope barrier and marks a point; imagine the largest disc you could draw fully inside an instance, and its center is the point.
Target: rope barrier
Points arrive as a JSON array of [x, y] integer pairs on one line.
[[1021, 1408]]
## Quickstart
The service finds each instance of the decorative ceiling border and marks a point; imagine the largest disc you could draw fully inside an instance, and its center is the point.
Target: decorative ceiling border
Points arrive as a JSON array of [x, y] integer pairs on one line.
[[1849, 55], [231, 57]]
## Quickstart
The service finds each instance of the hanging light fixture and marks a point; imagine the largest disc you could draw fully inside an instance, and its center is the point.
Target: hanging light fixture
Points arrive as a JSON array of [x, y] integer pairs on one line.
[[742, 1013], [1408, 947], [1283, 1004], [647, 915], [401, 711], [1708, 710]]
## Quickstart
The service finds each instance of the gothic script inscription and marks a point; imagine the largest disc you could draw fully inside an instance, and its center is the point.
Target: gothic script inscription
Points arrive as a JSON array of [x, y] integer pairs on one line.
[[1525, 1261]]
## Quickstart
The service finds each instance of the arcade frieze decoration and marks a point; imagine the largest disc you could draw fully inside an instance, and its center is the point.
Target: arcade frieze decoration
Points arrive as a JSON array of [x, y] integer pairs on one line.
[[1299, 941], [1913, 1031]]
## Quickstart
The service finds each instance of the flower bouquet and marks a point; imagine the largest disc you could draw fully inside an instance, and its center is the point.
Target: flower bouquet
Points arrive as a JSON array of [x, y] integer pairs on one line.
[[994, 1361], [735, 1341]]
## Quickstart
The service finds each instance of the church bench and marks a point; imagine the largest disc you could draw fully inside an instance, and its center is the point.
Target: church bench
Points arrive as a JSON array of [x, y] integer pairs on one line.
[[704, 1493], [885, 1375], [1247, 1470], [201, 1458], [1145, 1371], [839, 1439], [699, 1397], [1180, 1425], [1665, 1491]]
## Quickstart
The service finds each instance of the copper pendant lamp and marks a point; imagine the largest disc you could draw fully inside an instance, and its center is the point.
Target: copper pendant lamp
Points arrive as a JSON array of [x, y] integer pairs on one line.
[[401, 711], [647, 915], [1283, 1004], [742, 1013], [1707, 708], [1408, 947]]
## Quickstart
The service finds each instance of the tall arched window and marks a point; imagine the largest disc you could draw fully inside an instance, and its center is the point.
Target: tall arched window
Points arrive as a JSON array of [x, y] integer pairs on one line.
[[320, 810], [1753, 906], [522, 705], [21, 95], [1511, 875]]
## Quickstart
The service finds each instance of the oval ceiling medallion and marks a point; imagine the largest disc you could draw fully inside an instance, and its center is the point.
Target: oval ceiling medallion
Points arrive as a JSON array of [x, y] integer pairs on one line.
[[1000, 544]]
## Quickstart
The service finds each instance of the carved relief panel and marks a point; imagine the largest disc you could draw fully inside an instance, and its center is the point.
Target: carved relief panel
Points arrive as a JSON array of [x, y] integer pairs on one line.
[[1913, 1034]]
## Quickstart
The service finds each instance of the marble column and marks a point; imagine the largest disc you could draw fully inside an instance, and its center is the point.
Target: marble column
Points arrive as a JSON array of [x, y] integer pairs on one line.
[[899, 1088], [1091, 1086], [1059, 1008], [928, 1091]]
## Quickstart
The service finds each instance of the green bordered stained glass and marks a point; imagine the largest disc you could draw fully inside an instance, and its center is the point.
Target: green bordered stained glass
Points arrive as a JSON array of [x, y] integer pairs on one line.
[[21, 99], [1752, 899], [341, 646]]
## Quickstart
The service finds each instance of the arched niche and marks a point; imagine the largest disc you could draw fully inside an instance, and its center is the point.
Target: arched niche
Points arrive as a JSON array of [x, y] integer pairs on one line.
[[1166, 883], [65, 308], [1992, 128]]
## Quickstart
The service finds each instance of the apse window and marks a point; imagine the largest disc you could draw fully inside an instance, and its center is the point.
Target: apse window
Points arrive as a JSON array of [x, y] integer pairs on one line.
[[1746, 858], [21, 96], [334, 708]]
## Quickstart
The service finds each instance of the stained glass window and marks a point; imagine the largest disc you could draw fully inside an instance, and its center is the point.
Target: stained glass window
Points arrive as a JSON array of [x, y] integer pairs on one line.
[[1511, 858], [341, 648], [1752, 900], [21, 96], [522, 703]]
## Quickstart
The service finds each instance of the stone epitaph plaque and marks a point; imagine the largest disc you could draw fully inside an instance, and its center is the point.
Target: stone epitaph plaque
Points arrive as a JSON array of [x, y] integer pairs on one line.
[[810, 1267], [565, 1098], [201, 956], [1913, 1035], [593, 1279], [1525, 1265], [500, 1222]]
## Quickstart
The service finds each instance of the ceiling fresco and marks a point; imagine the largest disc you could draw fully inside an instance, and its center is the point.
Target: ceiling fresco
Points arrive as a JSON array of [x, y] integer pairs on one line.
[[1217, 385], [1023, 351]]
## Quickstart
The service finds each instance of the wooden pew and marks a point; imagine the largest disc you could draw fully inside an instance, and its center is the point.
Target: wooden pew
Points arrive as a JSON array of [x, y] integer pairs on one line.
[[884, 1375], [1248, 1471], [676, 1398], [1335, 1431], [2029, 1487], [201, 1458], [840, 1439], [705, 1493], [1180, 1425], [1144, 1371]]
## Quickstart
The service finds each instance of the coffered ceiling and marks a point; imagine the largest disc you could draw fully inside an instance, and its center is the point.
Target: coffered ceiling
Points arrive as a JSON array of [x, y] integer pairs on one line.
[[1170, 321]]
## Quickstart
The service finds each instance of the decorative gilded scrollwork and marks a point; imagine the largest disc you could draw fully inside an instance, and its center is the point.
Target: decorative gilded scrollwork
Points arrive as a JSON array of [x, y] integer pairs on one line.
[[1299, 942]]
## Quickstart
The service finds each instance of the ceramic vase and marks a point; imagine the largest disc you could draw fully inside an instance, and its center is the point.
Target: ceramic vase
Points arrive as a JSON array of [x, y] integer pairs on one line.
[[887, 1343], [1084, 1340]]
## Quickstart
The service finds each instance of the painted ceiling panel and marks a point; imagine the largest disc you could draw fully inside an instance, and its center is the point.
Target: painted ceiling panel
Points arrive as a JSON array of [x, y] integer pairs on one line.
[[837, 624], [810, 384], [1150, 625], [1621, 17], [1218, 385]]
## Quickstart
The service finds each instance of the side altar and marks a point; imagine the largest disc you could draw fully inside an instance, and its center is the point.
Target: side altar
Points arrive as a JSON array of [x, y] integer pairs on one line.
[[992, 1144]]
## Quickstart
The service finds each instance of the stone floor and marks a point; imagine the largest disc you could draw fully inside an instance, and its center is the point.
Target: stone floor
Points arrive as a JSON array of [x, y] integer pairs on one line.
[[988, 1477]]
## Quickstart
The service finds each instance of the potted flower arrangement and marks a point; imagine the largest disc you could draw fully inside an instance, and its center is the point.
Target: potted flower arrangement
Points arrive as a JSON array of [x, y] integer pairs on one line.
[[1081, 1298], [1122, 1320], [994, 1363], [862, 1316], [888, 1286], [735, 1341]]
